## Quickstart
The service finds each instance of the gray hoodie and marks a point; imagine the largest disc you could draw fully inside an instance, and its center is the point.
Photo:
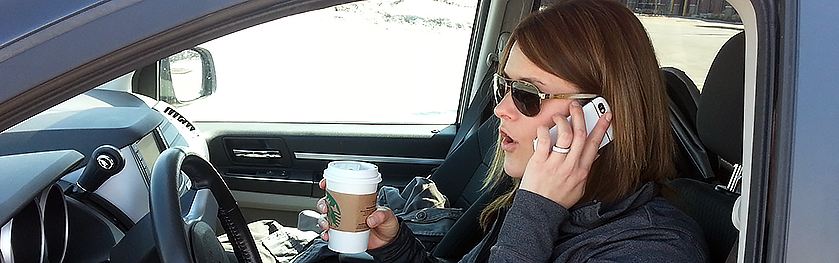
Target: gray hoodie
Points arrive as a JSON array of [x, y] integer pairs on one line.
[[643, 227]]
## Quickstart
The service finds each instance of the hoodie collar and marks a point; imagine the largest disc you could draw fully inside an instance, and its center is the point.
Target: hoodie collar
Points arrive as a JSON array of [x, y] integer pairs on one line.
[[593, 214]]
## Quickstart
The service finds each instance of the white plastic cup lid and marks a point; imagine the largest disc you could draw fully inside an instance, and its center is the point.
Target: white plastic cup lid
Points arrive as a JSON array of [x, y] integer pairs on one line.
[[352, 172]]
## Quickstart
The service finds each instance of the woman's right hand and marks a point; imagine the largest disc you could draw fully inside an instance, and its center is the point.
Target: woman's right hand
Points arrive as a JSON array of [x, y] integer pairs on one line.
[[383, 223]]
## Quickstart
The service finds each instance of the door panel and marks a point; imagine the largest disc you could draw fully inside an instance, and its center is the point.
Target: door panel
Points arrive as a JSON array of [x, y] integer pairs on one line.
[[402, 152]]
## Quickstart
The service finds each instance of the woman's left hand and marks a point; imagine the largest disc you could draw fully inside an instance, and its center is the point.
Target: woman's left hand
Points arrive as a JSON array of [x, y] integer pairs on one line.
[[561, 177]]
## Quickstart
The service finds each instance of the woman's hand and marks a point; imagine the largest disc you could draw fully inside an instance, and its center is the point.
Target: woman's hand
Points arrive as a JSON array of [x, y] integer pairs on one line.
[[383, 223], [561, 177]]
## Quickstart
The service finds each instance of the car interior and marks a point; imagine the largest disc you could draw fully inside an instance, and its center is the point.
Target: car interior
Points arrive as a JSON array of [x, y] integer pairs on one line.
[[99, 208]]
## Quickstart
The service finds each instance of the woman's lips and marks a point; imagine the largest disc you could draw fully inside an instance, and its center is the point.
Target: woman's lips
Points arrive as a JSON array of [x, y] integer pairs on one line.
[[507, 143]]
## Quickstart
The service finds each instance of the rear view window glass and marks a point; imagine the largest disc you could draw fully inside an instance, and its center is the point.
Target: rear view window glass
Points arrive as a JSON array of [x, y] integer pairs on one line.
[[687, 34]]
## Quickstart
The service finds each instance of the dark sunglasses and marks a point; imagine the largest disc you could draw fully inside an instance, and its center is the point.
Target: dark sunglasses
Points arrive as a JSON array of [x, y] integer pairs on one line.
[[527, 97]]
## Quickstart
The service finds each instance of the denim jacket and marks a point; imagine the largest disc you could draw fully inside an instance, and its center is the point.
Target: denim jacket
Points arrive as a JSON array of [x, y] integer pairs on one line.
[[422, 208]]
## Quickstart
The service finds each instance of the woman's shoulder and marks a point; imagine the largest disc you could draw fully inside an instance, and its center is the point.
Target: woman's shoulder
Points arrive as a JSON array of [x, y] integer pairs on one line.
[[654, 229], [662, 213], [657, 214]]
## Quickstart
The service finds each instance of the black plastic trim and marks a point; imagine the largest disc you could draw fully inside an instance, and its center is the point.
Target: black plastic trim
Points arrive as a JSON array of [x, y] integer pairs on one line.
[[137, 245]]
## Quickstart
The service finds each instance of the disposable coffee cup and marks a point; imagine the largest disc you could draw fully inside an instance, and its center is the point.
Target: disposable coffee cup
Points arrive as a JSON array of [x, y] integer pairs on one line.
[[350, 196]]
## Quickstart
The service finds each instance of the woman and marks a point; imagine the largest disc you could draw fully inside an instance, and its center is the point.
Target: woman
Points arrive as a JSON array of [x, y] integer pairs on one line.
[[573, 202]]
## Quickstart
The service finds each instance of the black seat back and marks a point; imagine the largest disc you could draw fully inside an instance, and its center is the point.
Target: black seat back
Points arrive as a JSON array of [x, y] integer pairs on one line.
[[461, 178], [693, 160], [461, 175], [719, 116], [682, 91], [719, 125]]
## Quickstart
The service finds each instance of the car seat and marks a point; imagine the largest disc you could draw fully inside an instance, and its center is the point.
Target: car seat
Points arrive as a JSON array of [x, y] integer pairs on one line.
[[461, 178], [719, 116], [694, 161], [682, 91], [719, 125]]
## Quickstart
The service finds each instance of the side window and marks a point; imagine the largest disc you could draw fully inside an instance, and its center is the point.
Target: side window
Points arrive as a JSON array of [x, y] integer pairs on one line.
[[687, 34], [375, 61]]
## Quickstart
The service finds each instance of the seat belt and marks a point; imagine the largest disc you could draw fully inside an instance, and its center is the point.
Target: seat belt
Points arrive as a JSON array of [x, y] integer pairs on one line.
[[473, 117]]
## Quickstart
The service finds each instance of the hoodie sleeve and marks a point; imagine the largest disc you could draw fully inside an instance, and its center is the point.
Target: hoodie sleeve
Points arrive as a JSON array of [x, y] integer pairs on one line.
[[405, 247], [530, 230]]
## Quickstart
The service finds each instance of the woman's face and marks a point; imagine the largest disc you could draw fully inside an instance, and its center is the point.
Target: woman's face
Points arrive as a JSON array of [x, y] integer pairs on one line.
[[518, 131]]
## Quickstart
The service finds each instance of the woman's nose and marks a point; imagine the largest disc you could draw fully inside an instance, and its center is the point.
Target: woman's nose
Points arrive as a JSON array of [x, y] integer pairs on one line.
[[505, 108]]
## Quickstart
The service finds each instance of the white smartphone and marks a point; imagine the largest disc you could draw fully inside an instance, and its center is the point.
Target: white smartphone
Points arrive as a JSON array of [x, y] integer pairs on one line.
[[592, 112]]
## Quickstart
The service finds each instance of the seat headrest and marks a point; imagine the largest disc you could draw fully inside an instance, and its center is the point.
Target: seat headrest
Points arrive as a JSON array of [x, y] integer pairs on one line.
[[719, 116]]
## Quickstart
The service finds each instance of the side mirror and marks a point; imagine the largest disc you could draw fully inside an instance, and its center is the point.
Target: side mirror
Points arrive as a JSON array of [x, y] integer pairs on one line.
[[191, 76], [179, 79]]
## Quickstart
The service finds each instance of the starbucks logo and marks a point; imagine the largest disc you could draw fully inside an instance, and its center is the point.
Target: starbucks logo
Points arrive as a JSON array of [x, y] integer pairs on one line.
[[334, 214]]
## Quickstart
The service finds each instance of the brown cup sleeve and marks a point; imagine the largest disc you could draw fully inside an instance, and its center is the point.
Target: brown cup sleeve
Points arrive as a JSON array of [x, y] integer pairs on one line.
[[348, 212]]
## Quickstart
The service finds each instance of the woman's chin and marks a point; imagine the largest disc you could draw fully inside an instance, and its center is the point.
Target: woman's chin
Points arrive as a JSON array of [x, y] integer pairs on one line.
[[513, 170]]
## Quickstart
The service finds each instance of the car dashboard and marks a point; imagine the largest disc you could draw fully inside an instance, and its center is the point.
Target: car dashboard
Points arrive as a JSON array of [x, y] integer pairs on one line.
[[45, 156]]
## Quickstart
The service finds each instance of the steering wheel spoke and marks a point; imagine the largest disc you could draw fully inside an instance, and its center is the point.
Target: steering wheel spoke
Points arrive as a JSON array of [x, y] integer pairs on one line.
[[178, 236]]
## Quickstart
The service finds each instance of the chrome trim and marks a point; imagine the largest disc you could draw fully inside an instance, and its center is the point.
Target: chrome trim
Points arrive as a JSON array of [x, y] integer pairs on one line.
[[253, 178], [22, 225], [366, 158], [49, 205], [261, 154], [105, 161], [735, 179], [80, 187], [6, 242], [54, 207]]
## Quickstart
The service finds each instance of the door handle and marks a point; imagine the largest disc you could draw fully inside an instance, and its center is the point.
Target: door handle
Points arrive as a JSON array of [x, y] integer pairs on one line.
[[260, 154]]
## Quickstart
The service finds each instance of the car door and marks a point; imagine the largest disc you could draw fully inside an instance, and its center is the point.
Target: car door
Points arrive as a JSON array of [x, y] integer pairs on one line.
[[384, 82]]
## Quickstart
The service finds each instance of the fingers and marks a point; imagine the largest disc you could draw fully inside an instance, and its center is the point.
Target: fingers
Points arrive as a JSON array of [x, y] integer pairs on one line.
[[563, 131], [322, 220], [576, 131], [322, 205], [382, 217], [543, 147], [383, 227], [592, 144], [325, 226]]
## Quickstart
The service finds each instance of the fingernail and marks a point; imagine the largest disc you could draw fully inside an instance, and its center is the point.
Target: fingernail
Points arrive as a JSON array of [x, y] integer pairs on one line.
[[321, 207], [372, 221], [322, 223], [609, 117], [575, 103]]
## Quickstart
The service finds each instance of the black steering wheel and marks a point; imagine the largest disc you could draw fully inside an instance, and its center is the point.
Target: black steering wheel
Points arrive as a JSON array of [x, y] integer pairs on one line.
[[184, 239]]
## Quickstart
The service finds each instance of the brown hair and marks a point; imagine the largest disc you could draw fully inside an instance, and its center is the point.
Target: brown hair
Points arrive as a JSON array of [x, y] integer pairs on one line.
[[600, 46]]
